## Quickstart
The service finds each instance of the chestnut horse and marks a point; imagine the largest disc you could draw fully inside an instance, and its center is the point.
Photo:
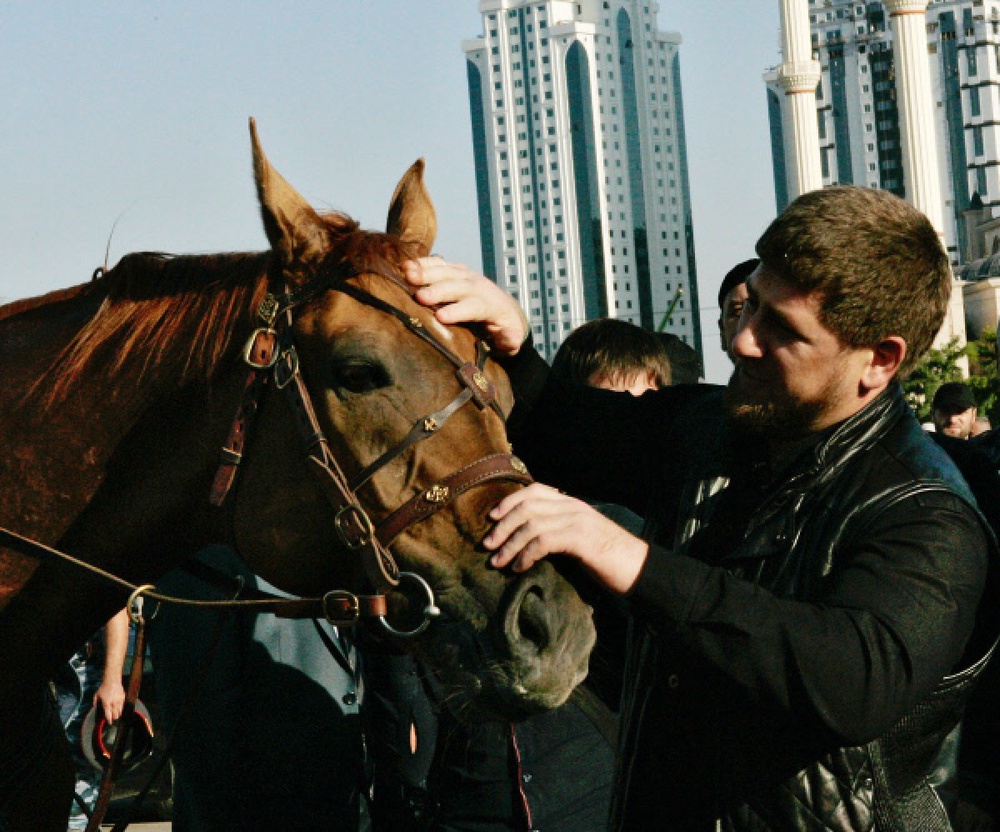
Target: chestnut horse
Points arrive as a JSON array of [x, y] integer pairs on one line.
[[118, 395]]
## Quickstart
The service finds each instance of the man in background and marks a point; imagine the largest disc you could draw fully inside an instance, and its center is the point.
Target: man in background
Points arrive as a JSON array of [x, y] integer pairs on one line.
[[732, 296], [954, 410], [91, 679], [614, 355]]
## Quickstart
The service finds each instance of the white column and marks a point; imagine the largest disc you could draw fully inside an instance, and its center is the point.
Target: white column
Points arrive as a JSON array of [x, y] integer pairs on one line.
[[915, 99], [799, 76]]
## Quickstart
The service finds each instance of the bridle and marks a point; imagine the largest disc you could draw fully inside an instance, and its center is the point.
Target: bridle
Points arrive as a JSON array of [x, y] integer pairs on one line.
[[272, 358]]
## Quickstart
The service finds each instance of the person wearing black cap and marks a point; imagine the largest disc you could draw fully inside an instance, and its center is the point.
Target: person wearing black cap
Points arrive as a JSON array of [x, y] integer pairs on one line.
[[732, 296], [954, 410]]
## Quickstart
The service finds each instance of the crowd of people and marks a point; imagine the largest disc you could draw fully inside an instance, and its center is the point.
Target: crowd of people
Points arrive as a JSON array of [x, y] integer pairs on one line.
[[795, 585]]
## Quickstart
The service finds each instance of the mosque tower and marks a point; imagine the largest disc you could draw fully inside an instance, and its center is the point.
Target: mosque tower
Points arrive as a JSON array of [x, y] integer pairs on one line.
[[879, 130], [799, 76], [918, 131]]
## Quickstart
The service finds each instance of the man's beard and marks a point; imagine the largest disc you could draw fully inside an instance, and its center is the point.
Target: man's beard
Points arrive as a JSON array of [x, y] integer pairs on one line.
[[768, 414]]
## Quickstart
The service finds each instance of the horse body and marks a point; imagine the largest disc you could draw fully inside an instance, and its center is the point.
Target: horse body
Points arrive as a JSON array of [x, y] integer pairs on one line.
[[118, 396]]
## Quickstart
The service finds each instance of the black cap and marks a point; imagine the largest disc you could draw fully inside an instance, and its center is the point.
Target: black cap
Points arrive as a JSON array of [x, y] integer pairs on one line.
[[954, 397], [736, 276]]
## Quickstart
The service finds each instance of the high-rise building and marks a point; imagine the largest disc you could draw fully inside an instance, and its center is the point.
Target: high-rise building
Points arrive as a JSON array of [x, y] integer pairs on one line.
[[859, 119], [581, 165]]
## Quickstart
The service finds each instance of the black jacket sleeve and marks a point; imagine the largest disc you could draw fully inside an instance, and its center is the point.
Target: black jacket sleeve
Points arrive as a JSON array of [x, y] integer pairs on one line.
[[891, 621], [596, 444]]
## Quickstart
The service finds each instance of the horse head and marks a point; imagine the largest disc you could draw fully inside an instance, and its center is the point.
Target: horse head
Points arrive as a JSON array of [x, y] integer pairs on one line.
[[412, 413]]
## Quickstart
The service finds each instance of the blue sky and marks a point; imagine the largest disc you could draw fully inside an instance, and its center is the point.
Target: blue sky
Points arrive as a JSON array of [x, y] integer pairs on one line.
[[124, 125]]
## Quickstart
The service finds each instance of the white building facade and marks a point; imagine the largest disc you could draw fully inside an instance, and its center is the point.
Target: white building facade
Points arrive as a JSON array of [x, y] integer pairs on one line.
[[858, 113], [581, 165]]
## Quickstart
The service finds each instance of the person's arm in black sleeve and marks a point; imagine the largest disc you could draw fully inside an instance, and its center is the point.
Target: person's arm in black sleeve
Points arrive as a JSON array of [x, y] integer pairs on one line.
[[596, 444], [528, 373], [887, 626]]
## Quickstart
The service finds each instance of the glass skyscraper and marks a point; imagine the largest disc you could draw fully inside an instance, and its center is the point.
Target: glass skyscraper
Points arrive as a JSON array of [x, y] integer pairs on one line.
[[581, 165]]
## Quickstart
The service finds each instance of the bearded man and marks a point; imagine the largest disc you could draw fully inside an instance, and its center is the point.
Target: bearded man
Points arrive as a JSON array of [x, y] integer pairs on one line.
[[808, 613]]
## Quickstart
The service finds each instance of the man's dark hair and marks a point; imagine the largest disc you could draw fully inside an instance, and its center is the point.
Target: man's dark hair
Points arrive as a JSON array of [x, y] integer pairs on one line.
[[611, 349], [734, 277], [876, 261]]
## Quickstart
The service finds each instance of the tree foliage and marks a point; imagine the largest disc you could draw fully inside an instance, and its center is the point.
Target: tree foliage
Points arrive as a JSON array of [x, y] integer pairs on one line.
[[939, 366]]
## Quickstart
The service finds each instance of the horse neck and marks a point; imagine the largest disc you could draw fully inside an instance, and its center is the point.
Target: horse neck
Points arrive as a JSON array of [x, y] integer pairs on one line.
[[67, 467]]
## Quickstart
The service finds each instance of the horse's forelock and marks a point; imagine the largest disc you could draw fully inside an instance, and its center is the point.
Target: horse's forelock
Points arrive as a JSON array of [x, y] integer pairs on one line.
[[372, 251]]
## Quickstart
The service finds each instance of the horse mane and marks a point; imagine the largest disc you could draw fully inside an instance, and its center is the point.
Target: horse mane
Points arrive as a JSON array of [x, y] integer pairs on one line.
[[183, 310], [17, 307], [161, 309]]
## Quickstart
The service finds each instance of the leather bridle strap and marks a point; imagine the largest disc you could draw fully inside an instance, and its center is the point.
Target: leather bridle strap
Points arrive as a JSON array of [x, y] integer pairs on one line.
[[351, 521], [418, 508], [124, 721], [338, 607], [471, 375], [475, 385], [270, 351], [422, 429], [260, 353]]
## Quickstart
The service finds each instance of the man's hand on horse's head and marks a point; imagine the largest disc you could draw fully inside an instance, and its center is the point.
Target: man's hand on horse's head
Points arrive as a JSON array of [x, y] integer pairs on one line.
[[460, 295]]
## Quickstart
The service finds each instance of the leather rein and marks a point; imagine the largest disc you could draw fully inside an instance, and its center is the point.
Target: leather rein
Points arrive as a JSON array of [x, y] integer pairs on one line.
[[272, 359]]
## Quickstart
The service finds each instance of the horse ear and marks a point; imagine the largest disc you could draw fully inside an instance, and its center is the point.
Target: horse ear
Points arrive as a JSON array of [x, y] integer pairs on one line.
[[293, 228], [411, 212]]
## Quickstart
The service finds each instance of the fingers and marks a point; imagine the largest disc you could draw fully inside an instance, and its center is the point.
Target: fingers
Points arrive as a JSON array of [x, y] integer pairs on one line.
[[538, 521], [428, 271], [531, 524], [447, 293], [460, 295], [535, 491], [112, 703], [439, 282]]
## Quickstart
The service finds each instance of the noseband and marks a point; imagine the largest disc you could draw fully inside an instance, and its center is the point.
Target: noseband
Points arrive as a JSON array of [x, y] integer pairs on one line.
[[272, 357]]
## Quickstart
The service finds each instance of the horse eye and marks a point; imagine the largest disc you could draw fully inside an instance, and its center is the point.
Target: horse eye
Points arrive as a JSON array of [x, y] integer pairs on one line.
[[360, 376]]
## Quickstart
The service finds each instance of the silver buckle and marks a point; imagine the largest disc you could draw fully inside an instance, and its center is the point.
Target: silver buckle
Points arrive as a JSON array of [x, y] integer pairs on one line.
[[340, 599], [286, 367], [367, 528], [248, 349]]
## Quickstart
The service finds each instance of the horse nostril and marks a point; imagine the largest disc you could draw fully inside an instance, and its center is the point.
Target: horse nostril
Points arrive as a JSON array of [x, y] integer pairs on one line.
[[532, 621]]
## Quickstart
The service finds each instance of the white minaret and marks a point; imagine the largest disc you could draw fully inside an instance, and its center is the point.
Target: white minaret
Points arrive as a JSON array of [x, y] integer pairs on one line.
[[799, 76], [915, 98]]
